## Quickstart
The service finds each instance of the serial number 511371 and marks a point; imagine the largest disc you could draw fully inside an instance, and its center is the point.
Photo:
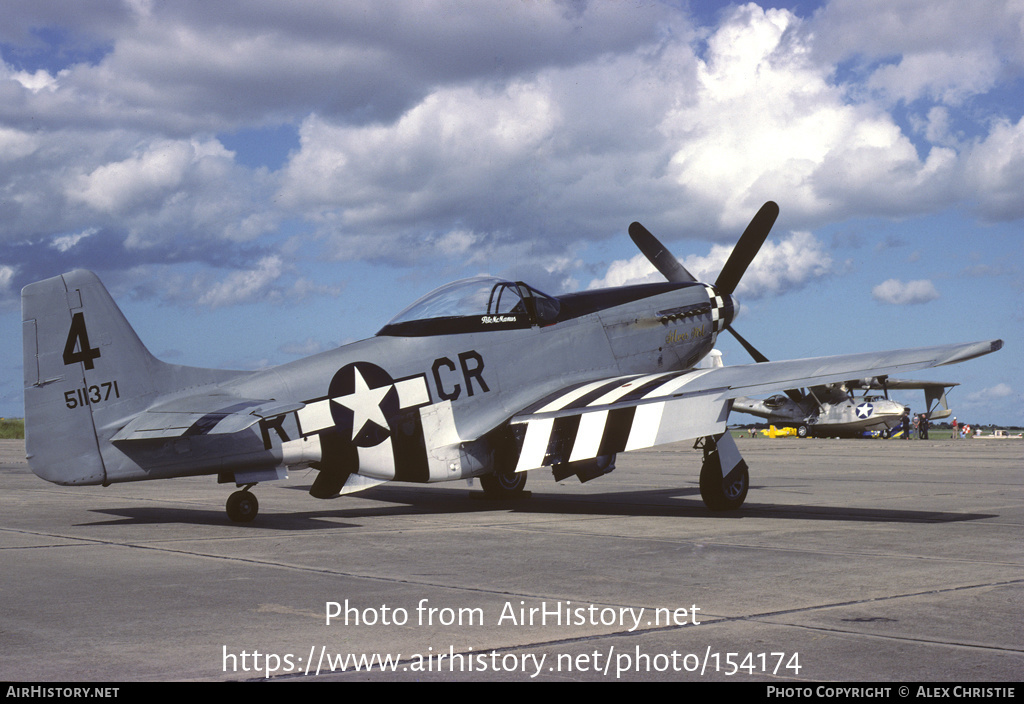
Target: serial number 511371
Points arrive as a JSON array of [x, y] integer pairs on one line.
[[91, 395]]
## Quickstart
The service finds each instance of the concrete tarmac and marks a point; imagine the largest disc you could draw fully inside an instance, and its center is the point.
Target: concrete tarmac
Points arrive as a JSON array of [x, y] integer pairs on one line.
[[852, 560]]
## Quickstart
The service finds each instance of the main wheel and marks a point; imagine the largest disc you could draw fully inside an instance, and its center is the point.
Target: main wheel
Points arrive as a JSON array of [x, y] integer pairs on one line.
[[242, 506], [720, 497], [503, 484]]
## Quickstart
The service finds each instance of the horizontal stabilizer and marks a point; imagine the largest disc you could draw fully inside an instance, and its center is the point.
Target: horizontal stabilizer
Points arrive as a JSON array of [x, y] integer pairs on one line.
[[201, 415]]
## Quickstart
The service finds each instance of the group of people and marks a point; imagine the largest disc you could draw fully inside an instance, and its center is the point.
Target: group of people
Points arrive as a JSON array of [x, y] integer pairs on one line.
[[921, 424], [961, 430]]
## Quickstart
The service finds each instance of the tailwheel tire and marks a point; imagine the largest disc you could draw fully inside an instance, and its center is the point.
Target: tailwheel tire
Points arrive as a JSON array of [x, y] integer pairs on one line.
[[242, 506], [719, 496], [503, 484]]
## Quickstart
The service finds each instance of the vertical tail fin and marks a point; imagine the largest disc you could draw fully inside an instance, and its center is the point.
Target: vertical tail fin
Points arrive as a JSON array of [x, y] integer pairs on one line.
[[84, 365], [935, 396]]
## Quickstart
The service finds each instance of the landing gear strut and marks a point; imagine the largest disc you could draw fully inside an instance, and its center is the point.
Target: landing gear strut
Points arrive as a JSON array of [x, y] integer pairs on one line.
[[724, 478], [242, 505]]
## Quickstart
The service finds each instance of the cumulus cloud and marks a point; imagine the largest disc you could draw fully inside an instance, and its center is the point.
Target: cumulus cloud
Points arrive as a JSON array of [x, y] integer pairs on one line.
[[942, 76], [999, 391], [995, 169], [902, 293], [440, 132], [6, 276], [243, 286], [875, 31], [698, 141], [65, 243], [16, 144], [116, 187], [779, 267]]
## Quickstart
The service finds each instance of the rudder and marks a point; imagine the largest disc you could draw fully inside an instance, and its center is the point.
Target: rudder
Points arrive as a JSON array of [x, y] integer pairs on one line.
[[84, 366]]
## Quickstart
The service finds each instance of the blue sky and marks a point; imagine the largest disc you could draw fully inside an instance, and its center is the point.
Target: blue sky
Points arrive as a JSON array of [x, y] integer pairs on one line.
[[256, 181]]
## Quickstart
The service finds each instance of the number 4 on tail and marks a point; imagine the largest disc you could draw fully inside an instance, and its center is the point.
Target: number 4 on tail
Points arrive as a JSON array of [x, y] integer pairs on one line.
[[77, 335]]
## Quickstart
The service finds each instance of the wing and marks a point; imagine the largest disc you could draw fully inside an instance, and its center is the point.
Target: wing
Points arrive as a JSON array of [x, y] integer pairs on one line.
[[898, 384], [626, 413], [201, 414], [835, 393]]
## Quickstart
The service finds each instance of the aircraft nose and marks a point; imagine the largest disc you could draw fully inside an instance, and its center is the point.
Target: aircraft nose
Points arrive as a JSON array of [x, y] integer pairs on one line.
[[724, 308]]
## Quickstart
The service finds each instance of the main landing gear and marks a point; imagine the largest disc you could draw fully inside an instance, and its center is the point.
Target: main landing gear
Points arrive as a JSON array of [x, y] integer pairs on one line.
[[724, 478], [242, 505], [503, 484]]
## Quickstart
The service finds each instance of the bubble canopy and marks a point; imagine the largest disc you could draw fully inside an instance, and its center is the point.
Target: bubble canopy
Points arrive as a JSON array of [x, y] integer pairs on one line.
[[476, 304]]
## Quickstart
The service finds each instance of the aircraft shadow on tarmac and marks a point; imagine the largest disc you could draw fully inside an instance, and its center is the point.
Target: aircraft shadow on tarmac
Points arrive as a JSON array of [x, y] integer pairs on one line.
[[681, 502]]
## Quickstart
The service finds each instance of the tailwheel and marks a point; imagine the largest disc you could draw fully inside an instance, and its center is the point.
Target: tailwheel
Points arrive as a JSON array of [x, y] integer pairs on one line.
[[728, 492], [503, 484], [242, 506]]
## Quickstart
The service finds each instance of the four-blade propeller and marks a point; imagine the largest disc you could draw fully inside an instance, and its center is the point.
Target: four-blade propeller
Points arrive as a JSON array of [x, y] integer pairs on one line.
[[742, 255]]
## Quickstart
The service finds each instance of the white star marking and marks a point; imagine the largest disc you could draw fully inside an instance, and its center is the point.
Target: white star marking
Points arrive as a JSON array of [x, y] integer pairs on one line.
[[364, 403]]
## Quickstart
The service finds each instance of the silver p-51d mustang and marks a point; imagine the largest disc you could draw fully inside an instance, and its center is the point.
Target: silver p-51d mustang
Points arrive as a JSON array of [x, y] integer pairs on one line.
[[481, 378]]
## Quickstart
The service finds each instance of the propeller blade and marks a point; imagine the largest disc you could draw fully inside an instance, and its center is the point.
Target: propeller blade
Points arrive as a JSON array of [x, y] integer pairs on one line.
[[751, 350], [746, 249], [796, 395], [662, 259]]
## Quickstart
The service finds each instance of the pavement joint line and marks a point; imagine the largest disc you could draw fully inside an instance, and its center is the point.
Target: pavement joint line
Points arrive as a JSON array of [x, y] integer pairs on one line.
[[718, 620]]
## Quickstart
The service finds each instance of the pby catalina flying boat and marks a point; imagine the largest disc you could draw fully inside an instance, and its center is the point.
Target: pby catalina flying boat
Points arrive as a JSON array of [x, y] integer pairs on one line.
[[832, 410], [481, 378]]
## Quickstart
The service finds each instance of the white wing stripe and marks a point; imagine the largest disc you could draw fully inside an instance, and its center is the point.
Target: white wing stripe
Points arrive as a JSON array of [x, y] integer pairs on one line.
[[673, 385], [565, 399], [646, 423], [623, 389], [535, 444], [589, 435]]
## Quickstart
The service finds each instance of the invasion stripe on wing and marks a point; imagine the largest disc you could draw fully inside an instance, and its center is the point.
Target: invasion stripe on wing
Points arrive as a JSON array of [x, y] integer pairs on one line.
[[604, 424]]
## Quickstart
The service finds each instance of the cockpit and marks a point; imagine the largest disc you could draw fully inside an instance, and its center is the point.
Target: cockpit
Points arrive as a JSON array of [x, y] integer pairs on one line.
[[475, 305]]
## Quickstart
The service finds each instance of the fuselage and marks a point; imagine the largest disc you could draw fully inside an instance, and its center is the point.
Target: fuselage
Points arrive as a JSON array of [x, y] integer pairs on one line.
[[846, 418], [426, 398]]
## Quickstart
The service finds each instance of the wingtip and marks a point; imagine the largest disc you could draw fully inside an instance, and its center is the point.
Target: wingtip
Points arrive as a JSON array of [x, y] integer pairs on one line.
[[971, 350]]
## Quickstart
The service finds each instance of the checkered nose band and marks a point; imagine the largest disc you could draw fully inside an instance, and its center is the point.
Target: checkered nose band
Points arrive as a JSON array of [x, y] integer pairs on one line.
[[723, 308]]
